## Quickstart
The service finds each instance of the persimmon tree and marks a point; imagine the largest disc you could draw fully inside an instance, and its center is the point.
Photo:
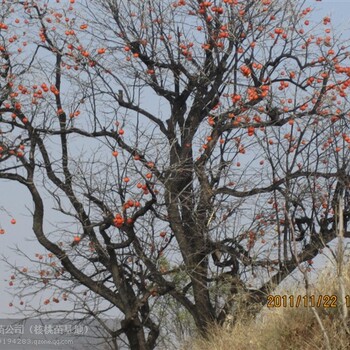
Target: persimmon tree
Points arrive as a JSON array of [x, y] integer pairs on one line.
[[179, 142]]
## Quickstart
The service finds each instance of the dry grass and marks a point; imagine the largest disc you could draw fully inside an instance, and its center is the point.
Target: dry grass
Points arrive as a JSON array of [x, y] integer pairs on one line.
[[287, 328]]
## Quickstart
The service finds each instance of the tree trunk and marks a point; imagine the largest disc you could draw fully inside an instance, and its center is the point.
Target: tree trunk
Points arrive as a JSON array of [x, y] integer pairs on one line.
[[135, 334]]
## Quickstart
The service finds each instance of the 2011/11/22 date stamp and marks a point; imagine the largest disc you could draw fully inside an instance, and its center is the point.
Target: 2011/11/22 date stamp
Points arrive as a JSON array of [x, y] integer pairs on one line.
[[325, 301]]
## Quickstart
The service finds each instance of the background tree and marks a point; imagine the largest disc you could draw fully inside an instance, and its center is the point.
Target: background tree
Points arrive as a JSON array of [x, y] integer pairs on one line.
[[179, 141]]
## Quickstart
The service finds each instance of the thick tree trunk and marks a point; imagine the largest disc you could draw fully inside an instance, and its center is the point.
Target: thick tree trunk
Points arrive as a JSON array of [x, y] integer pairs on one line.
[[204, 309], [135, 334]]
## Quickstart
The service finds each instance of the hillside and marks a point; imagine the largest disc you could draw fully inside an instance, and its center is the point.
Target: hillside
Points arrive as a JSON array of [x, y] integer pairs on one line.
[[289, 327]]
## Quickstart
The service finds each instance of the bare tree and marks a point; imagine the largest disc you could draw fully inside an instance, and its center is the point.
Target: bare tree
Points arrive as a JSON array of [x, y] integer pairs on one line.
[[178, 141]]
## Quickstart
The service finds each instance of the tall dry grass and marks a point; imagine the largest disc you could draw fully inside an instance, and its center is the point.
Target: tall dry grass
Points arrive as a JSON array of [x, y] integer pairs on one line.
[[287, 328]]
